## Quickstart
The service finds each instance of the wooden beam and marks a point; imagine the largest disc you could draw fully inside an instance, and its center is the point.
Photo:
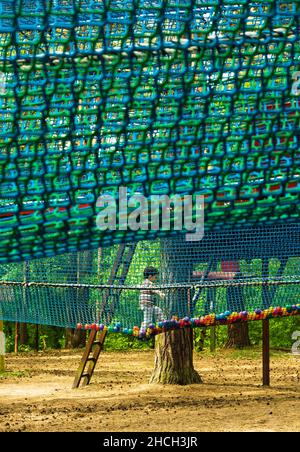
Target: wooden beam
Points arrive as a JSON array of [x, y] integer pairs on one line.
[[2, 348], [16, 345], [90, 357], [266, 352], [84, 359]]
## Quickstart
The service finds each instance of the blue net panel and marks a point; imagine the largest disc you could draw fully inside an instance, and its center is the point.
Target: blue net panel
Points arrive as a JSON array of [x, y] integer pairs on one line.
[[163, 97]]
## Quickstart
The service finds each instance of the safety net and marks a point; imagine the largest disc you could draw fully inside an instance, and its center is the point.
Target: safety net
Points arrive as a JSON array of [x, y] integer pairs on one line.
[[227, 277], [163, 97], [160, 96]]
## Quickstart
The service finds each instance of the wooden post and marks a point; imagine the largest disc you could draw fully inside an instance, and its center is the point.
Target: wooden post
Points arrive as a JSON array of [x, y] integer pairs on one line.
[[16, 337], [189, 301], [266, 352], [2, 348], [211, 303], [36, 337], [212, 339]]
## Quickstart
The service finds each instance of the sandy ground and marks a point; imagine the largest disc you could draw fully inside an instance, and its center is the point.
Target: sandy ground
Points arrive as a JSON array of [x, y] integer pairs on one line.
[[36, 395]]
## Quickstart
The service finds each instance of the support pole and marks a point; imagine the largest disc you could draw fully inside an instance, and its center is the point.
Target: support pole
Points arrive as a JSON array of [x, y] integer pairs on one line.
[[2, 348], [266, 352], [16, 346], [36, 337]]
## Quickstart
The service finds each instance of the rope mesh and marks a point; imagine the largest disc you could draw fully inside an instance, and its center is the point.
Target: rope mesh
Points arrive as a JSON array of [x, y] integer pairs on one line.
[[228, 276], [163, 97]]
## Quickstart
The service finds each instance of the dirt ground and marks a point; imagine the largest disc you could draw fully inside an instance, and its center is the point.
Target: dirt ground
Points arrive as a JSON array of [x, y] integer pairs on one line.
[[36, 394]]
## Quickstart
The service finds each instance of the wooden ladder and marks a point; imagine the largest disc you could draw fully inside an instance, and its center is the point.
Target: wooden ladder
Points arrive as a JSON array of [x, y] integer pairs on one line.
[[91, 354], [94, 346]]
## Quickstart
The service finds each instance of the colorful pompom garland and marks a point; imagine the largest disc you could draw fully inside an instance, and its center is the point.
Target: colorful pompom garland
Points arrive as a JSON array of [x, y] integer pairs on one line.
[[208, 320]]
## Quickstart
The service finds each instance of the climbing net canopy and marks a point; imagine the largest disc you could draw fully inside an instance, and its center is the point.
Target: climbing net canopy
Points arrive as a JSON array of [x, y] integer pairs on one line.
[[161, 96]]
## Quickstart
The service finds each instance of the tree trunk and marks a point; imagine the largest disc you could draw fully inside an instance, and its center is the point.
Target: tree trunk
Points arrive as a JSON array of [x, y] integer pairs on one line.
[[79, 339], [174, 358], [75, 338], [174, 349], [68, 337], [238, 335], [36, 337], [23, 334]]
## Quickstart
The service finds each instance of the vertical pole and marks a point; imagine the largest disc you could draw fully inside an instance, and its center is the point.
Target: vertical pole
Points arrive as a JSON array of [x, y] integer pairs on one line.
[[36, 338], [211, 302], [99, 264], [16, 337], [189, 302], [266, 352], [2, 348], [212, 338]]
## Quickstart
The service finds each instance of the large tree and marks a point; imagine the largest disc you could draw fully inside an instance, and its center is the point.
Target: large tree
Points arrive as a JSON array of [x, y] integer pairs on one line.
[[174, 349], [174, 358]]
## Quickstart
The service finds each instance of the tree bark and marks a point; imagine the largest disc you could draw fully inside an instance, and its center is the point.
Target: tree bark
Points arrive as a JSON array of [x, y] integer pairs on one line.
[[16, 344], [75, 338], [36, 337], [238, 335], [174, 349], [23, 334], [174, 358]]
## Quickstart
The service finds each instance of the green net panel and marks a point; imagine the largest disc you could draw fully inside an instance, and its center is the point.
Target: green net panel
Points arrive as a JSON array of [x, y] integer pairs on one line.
[[163, 97], [160, 96], [227, 277]]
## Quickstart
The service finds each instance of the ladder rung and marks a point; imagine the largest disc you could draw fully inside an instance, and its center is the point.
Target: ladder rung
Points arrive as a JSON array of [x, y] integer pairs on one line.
[[85, 375], [92, 359]]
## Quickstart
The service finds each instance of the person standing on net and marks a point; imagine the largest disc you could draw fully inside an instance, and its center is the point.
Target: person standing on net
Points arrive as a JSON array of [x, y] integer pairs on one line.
[[148, 295]]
